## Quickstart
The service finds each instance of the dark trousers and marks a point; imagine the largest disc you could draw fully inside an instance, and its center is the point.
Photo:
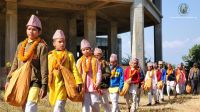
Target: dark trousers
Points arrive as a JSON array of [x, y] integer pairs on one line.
[[194, 84]]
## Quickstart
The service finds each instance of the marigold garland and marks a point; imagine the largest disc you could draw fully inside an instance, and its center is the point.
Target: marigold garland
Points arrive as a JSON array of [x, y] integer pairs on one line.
[[169, 72], [84, 67], [25, 56], [132, 72], [59, 59], [195, 70]]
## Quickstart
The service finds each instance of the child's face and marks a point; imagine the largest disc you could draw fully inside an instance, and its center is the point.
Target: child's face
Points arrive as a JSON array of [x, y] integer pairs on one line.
[[113, 63], [59, 44], [32, 32], [98, 56], [86, 51], [149, 68]]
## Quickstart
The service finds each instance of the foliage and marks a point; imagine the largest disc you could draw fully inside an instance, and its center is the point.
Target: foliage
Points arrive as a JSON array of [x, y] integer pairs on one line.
[[192, 57]]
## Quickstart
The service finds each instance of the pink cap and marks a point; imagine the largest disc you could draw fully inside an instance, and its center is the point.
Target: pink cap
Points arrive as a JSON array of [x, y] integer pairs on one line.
[[59, 34], [150, 64], [133, 60], [179, 65], [85, 44], [34, 21], [97, 51], [113, 57]]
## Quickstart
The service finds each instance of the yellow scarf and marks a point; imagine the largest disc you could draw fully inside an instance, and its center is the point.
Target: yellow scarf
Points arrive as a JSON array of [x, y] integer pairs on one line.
[[178, 75], [25, 56], [84, 67], [169, 71], [135, 71], [113, 72], [195, 70], [149, 73]]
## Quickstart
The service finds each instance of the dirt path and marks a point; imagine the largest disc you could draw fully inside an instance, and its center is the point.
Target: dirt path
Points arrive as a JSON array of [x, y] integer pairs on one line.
[[183, 103]]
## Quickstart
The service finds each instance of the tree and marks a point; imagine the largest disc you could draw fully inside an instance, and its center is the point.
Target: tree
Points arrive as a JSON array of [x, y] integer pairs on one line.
[[193, 56]]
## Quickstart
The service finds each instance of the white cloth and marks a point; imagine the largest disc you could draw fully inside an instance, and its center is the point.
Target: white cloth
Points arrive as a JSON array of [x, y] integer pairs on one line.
[[178, 88], [170, 87], [171, 83], [131, 101], [91, 99], [131, 97], [133, 88], [114, 97], [59, 106], [150, 94], [138, 97], [104, 100], [31, 106], [160, 93]]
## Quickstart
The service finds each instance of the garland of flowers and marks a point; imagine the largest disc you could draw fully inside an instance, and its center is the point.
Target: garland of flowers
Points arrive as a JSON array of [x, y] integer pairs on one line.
[[149, 73], [59, 59], [135, 71], [195, 70], [84, 67], [178, 74], [25, 56], [169, 72], [113, 72], [103, 63]]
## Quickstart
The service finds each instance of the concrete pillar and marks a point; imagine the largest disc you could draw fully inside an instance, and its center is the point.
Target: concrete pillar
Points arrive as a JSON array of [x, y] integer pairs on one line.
[[137, 31], [158, 35], [90, 26], [158, 4], [112, 38], [11, 30], [73, 36]]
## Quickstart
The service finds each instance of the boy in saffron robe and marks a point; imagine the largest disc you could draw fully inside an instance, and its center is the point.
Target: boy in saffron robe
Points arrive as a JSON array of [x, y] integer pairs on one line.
[[57, 89], [90, 70], [35, 49]]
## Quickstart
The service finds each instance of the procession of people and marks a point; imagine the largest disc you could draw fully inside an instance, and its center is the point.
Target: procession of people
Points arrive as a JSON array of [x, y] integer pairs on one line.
[[91, 80]]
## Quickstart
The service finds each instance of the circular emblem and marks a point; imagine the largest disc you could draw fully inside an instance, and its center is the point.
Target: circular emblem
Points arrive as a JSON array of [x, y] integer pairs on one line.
[[183, 9]]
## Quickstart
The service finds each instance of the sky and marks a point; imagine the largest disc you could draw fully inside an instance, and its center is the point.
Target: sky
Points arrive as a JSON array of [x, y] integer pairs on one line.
[[179, 33]]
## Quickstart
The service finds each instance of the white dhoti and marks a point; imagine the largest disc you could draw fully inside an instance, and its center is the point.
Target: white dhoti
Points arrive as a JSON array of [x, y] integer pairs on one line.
[[170, 86], [114, 97], [91, 99], [59, 106], [104, 100], [131, 97], [151, 93], [32, 99]]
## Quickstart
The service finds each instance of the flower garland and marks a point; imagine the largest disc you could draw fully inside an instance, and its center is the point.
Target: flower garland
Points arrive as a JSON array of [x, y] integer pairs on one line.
[[113, 72], [133, 72], [86, 66], [25, 56], [151, 73], [59, 59], [169, 72], [195, 70]]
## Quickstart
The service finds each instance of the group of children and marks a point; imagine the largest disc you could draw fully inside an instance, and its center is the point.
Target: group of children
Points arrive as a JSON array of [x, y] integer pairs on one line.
[[97, 79]]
